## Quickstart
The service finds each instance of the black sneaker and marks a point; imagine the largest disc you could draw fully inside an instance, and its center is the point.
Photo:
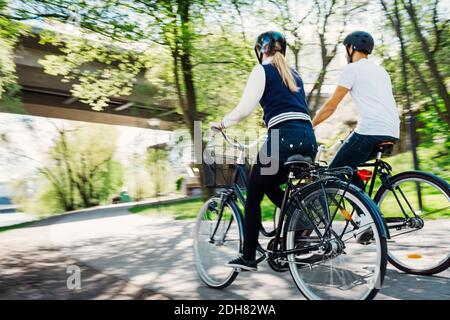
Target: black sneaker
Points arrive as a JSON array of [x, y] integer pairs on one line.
[[241, 263], [365, 237]]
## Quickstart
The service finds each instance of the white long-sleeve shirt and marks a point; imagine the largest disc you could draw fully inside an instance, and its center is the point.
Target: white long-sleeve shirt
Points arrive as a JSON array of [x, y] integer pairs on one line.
[[251, 97], [253, 93]]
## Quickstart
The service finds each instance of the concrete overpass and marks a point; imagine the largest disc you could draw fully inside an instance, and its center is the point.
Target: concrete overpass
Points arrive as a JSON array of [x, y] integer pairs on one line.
[[45, 95]]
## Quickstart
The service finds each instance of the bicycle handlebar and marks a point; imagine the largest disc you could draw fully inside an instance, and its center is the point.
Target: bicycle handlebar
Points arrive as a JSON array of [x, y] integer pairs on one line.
[[233, 141]]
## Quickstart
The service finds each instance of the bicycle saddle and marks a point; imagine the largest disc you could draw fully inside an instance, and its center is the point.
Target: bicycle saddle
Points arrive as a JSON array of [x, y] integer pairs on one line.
[[299, 161], [385, 147]]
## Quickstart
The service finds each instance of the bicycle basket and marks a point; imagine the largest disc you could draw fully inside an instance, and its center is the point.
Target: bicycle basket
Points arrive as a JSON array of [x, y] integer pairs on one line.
[[221, 174]]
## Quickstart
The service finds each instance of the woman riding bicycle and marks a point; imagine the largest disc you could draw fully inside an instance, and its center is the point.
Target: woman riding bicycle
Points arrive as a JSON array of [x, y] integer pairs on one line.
[[279, 90]]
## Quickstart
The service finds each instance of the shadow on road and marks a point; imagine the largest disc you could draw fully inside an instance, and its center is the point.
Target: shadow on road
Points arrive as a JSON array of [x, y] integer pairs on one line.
[[130, 256], [157, 253], [152, 261], [41, 274], [399, 285], [85, 215]]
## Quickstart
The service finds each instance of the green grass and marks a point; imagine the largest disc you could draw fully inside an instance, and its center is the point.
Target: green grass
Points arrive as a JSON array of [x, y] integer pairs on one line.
[[183, 209], [188, 209], [434, 204], [16, 226], [435, 160]]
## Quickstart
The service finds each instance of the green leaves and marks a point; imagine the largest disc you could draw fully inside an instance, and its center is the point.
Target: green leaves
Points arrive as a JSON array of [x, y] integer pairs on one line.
[[9, 34], [98, 72], [7, 66], [427, 103]]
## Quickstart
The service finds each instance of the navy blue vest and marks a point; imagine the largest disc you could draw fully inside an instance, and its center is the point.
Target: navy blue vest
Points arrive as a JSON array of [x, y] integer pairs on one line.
[[278, 99]]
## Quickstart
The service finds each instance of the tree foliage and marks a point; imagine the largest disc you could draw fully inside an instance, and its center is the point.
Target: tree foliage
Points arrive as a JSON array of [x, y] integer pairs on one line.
[[79, 167], [9, 34], [425, 29], [158, 168], [197, 54]]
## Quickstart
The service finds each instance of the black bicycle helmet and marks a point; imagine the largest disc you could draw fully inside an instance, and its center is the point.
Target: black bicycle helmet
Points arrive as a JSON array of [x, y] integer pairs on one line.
[[270, 42], [359, 41]]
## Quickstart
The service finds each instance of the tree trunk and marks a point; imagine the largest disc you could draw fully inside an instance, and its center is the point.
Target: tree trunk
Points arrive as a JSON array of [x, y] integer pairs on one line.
[[186, 64], [295, 52], [427, 91], [65, 154], [81, 186], [188, 78], [442, 89], [315, 104], [410, 117]]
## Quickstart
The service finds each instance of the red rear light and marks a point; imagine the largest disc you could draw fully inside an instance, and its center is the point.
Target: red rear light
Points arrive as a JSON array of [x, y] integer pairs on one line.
[[364, 174]]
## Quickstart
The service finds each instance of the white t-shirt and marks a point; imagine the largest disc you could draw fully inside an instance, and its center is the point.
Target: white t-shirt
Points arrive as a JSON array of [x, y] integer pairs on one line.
[[371, 89]]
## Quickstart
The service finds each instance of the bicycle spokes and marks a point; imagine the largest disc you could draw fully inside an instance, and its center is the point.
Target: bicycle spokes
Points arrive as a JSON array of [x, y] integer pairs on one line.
[[417, 212], [217, 240], [329, 262]]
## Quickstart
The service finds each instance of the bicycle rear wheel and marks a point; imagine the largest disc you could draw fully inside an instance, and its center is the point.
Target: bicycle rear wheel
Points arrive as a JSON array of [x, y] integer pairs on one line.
[[341, 268], [217, 239], [419, 226]]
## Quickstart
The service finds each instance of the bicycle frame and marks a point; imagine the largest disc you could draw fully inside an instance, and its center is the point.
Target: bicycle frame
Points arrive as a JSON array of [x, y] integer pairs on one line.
[[235, 190], [383, 170]]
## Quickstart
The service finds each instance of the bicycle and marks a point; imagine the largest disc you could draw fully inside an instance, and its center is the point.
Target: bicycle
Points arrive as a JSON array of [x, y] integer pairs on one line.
[[407, 200], [318, 249]]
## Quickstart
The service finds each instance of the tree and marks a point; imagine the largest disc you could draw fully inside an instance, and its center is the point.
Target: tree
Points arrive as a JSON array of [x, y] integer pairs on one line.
[[157, 166], [291, 25], [88, 155], [9, 33], [427, 63], [429, 52], [79, 165], [177, 27], [330, 18], [410, 120], [137, 178]]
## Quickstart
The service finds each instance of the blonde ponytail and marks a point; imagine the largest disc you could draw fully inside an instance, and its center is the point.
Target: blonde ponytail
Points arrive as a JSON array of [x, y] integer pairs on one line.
[[279, 62]]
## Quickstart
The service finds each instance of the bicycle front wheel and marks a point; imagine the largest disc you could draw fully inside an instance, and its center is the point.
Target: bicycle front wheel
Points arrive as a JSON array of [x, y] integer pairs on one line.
[[329, 218], [417, 211], [217, 239]]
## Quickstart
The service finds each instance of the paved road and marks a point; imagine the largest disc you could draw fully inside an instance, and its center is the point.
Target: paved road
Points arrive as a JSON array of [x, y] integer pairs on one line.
[[11, 218], [155, 253]]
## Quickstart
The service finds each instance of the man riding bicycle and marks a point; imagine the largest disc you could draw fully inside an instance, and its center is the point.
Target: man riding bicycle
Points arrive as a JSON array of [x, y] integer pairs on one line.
[[370, 87]]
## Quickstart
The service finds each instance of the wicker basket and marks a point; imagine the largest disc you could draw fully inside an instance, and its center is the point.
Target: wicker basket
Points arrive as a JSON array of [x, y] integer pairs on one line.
[[219, 175]]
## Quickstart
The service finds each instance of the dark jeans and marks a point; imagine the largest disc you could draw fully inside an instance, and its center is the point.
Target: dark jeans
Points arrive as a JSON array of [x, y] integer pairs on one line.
[[356, 150], [292, 137]]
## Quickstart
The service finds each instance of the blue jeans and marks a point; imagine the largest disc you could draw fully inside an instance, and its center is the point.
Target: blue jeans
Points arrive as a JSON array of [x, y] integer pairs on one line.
[[294, 137], [356, 150]]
